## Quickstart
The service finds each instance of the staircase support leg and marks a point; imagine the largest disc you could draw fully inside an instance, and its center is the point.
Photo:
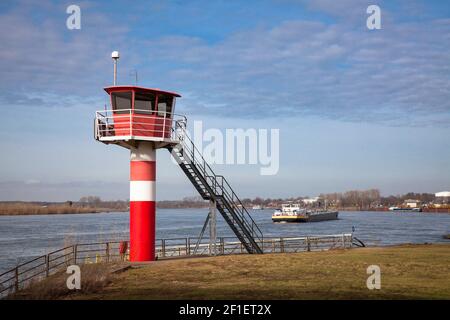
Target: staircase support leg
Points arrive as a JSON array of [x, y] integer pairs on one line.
[[200, 237], [212, 228]]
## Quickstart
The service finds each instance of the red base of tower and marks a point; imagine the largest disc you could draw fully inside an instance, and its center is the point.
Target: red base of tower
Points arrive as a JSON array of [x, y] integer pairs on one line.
[[142, 231]]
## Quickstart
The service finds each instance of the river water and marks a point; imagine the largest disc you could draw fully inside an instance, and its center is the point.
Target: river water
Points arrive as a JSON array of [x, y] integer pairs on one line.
[[23, 237]]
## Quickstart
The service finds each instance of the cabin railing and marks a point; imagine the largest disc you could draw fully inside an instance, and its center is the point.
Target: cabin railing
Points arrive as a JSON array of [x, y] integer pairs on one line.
[[137, 124], [56, 261]]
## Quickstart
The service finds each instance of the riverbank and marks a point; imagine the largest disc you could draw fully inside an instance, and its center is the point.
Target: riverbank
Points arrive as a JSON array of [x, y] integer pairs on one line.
[[19, 209], [407, 272], [31, 209]]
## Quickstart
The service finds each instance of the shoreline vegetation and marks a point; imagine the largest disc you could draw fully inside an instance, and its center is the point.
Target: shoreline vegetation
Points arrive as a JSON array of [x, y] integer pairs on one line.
[[24, 208], [31, 208], [407, 272], [84, 205], [358, 200]]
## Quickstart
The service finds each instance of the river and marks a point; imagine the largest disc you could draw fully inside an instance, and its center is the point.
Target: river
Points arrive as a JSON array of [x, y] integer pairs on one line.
[[23, 237]]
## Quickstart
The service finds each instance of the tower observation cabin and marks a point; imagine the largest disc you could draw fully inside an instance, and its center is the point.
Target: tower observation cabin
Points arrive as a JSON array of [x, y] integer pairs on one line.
[[138, 114]]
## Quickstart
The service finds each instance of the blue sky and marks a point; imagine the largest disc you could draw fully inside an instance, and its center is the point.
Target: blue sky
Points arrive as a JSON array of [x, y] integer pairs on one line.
[[355, 108]]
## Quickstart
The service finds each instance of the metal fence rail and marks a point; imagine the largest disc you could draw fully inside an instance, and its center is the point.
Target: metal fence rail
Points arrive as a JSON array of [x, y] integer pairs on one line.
[[103, 252], [231, 245], [35, 269]]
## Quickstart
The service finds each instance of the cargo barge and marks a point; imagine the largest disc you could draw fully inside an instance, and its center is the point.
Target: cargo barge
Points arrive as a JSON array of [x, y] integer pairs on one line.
[[294, 213]]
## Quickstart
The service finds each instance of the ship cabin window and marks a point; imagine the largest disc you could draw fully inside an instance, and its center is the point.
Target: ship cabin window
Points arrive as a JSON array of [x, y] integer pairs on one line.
[[121, 101], [165, 105], [144, 103]]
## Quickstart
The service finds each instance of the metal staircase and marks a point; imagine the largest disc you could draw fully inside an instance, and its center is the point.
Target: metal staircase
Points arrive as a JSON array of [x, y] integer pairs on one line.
[[215, 187]]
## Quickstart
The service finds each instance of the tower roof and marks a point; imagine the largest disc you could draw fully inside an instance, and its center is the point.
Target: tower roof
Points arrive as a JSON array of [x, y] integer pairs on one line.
[[141, 89]]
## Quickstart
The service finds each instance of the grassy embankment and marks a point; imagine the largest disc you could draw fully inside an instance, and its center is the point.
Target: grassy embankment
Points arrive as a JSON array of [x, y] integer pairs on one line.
[[407, 272]]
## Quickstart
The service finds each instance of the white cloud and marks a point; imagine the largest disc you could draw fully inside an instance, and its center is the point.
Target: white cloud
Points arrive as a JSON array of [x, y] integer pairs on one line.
[[397, 75], [41, 54], [312, 68]]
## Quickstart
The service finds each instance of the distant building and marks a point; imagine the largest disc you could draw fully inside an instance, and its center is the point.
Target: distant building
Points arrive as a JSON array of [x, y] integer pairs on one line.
[[310, 200], [442, 197], [412, 203], [442, 194]]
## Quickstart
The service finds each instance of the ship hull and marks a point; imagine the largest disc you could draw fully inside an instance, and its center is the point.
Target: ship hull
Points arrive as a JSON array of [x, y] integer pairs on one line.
[[407, 209], [322, 216]]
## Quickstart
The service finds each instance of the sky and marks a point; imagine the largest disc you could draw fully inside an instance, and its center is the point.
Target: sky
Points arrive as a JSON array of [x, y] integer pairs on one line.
[[356, 108]]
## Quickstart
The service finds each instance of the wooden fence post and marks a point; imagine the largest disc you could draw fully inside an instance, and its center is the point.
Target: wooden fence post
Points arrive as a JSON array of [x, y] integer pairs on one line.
[[222, 246], [163, 247], [281, 245], [16, 279], [188, 251], [308, 244], [47, 265], [74, 251], [107, 252]]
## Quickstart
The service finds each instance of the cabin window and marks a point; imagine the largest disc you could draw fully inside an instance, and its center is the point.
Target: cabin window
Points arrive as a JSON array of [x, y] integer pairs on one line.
[[144, 103], [121, 101], [164, 105]]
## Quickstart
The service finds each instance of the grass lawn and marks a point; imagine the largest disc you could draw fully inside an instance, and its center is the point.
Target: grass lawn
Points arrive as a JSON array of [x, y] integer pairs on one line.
[[407, 272]]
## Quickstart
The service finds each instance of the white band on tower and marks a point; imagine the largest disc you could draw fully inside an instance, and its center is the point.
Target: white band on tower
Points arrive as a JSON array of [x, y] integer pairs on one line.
[[142, 191]]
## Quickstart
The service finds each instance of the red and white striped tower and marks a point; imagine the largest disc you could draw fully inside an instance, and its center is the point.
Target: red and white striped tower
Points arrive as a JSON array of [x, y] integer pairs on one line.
[[142, 202]]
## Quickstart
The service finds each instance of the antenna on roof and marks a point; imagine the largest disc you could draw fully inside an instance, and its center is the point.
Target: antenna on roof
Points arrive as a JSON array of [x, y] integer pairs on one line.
[[134, 73], [115, 56]]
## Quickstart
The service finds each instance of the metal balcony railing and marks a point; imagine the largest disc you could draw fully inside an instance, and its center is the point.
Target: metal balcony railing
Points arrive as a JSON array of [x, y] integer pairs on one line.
[[128, 124]]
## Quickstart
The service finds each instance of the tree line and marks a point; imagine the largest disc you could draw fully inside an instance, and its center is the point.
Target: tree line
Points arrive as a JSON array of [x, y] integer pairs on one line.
[[370, 198]]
